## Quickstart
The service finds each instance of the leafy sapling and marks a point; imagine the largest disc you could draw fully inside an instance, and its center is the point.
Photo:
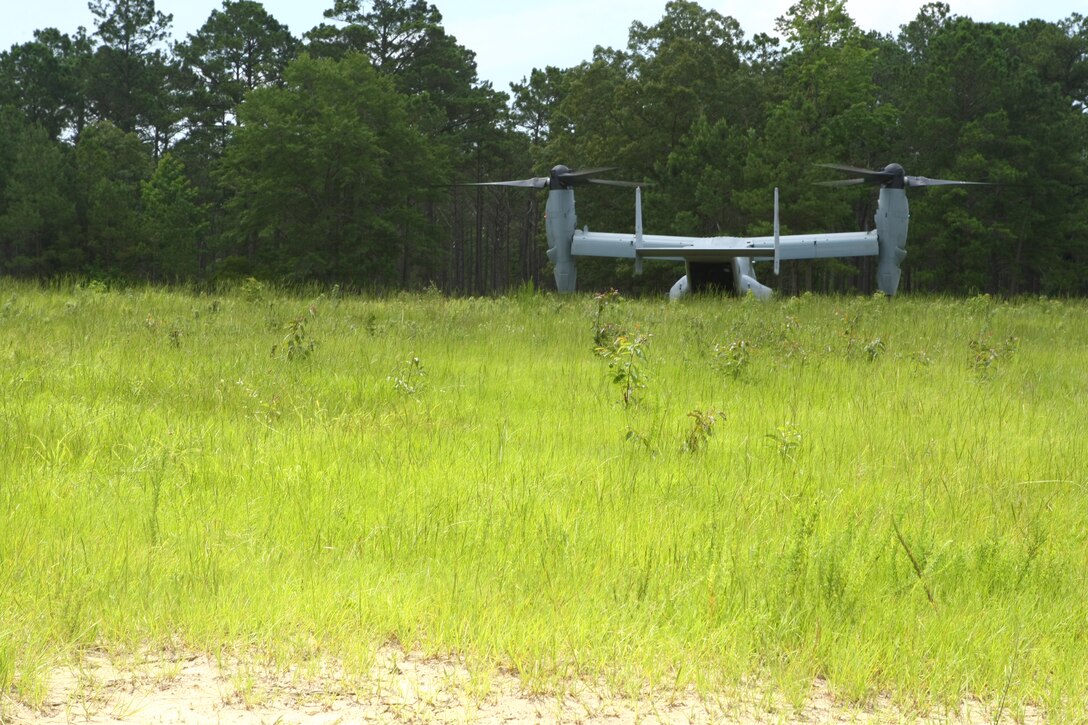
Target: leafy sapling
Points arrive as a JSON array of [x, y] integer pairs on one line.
[[604, 332], [626, 355], [297, 343]]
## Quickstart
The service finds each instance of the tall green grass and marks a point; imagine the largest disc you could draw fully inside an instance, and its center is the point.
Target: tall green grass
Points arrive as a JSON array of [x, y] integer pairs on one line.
[[891, 495]]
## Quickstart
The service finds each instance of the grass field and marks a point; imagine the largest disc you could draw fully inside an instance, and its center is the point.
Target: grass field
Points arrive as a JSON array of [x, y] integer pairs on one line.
[[890, 496]]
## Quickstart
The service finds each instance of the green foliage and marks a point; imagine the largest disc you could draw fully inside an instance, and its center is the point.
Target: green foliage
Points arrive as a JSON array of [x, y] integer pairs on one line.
[[38, 214], [44, 80], [535, 101], [704, 194], [237, 50], [405, 41], [323, 172], [128, 77], [174, 223], [110, 166]]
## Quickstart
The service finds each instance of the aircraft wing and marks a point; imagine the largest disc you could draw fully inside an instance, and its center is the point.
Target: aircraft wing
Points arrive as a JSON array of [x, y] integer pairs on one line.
[[816, 246], [724, 249], [604, 244]]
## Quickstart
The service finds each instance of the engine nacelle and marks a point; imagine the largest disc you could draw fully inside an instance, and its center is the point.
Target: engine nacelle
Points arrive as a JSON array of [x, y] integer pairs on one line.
[[561, 223], [892, 220]]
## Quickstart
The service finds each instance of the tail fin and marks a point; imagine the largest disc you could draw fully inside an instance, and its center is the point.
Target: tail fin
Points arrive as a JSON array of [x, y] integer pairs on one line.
[[776, 229]]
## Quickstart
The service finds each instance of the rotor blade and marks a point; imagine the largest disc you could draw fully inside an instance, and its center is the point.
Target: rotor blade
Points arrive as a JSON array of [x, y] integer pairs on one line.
[[844, 182], [539, 182], [584, 173], [850, 169], [627, 184], [923, 181], [869, 175]]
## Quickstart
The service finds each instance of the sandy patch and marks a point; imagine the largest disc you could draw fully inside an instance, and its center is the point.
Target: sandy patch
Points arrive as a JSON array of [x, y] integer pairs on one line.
[[402, 688]]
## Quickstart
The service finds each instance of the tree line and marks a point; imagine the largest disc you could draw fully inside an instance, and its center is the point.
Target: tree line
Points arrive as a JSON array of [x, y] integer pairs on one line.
[[243, 150]]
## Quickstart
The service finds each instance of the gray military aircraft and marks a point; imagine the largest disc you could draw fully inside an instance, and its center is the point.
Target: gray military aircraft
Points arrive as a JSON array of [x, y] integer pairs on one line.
[[719, 261]]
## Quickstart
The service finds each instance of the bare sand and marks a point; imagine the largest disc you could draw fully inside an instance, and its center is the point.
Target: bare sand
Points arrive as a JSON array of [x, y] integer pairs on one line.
[[401, 688]]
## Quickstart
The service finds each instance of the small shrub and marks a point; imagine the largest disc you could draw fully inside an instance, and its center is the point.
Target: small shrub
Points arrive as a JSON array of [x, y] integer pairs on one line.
[[253, 290], [850, 332], [732, 358], [787, 439], [642, 440], [525, 294], [702, 428], [985, 354], [796, 351], [97, 287], [604, 332], [981, 304], [408, 377]]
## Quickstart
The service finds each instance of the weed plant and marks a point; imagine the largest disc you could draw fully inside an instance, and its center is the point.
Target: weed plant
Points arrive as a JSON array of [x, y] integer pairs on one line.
[[893, 498]]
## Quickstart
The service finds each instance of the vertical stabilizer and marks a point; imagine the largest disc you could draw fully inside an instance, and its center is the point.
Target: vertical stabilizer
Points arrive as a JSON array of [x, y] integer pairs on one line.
[[777, 244]]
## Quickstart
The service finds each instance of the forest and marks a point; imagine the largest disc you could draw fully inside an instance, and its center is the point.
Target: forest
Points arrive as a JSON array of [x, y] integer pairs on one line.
[[334, 157]]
